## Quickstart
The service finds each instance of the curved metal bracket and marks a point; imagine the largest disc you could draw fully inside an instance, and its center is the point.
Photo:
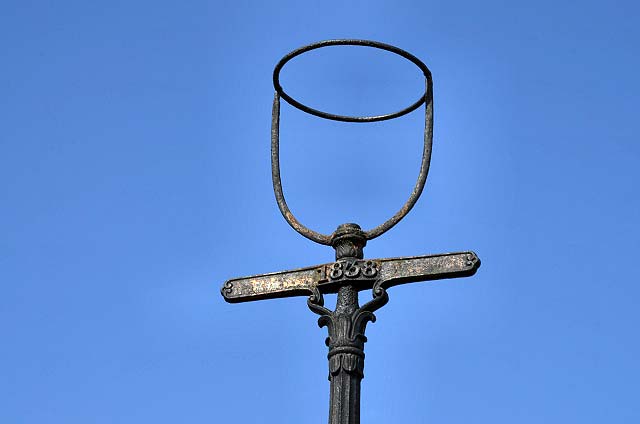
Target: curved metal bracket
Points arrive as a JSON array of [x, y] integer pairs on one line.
[[427, 99]]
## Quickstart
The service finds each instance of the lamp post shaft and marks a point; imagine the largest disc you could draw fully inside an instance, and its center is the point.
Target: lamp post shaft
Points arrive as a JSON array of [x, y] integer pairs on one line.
[[346, 361], [346, 326]]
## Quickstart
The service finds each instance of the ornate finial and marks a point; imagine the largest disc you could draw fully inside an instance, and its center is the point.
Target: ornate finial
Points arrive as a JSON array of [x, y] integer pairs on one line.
[[349, 240]]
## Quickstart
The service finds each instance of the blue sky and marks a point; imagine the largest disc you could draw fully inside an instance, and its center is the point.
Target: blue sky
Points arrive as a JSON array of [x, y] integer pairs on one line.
[[134, 160]]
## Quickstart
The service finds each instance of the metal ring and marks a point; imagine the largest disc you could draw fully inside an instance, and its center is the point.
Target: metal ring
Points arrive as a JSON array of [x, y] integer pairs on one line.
[[366, 43], [427, 99]]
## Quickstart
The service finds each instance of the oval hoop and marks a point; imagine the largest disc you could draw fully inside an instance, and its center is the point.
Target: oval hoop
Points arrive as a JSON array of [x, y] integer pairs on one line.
[[427, 99], [343, 118]]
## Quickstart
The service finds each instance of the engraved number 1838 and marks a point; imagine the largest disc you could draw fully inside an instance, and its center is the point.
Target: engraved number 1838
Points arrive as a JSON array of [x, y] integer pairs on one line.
[[353, 269]]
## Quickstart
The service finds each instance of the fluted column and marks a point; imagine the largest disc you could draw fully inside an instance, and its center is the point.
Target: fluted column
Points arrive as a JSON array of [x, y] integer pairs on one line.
[[346, 326], [346, 359]]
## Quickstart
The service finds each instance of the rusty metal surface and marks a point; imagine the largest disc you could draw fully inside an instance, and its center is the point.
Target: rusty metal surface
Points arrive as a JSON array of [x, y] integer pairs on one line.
[[395, 271], [298, 282], [363, 274]]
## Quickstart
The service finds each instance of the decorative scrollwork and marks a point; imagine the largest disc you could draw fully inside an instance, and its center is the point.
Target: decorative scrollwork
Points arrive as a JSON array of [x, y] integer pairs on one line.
[[347, 324], [315, 302], [227, 288], [380, 298]]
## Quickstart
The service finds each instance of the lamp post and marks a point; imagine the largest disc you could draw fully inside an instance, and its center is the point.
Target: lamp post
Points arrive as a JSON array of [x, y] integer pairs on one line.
[[351, 272]]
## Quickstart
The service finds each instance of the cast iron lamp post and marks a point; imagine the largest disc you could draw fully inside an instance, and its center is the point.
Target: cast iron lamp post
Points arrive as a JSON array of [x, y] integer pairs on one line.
[[350, 273]]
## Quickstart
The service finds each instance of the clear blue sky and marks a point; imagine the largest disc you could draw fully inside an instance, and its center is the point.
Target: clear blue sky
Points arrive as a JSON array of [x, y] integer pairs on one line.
[[134, 169]]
